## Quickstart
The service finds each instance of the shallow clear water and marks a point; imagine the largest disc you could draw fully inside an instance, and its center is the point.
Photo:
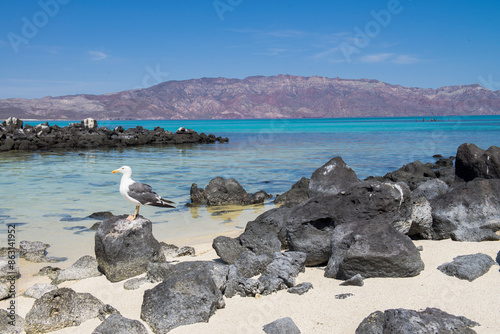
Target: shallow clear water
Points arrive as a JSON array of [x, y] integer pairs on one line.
[[49, 194]]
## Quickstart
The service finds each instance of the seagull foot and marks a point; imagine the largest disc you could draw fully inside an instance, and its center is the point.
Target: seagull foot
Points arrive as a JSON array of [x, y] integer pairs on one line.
[[130, 218]]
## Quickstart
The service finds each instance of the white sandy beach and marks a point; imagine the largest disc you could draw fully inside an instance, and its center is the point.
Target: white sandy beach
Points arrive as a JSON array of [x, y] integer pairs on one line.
[[317, 311]]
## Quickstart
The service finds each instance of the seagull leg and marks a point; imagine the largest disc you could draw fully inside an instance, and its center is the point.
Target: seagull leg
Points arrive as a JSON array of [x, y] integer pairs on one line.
[[135, 213]]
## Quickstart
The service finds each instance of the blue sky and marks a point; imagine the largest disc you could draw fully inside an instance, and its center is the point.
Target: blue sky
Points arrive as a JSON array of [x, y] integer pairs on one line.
[[60, 47]]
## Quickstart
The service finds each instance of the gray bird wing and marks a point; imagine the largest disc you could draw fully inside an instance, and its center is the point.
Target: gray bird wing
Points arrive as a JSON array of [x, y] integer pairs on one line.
[[143, 193]]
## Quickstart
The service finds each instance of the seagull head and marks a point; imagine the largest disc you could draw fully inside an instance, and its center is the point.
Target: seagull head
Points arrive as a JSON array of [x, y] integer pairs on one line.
[[125, 170]]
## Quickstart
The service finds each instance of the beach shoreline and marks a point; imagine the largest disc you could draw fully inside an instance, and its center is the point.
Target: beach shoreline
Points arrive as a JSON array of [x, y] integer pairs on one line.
[[316, 311]]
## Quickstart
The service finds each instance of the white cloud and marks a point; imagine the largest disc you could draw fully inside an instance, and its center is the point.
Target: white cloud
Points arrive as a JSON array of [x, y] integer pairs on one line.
[[272, 52], [405, 59], [389, 57], [376, 58], [98, 55]]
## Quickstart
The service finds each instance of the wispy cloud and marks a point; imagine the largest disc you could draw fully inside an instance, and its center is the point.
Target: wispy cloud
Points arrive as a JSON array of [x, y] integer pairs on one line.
[[279, 33], [406, 59], [97, 55], [389, 58], [272, 52], [376, 58]]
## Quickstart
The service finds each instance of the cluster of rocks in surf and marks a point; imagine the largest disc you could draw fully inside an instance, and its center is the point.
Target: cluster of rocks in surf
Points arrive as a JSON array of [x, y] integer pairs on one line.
[[15, 135], [358, 229]]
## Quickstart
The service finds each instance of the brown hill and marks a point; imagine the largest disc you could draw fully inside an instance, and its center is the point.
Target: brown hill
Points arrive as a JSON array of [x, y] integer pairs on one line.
[[282, 96]]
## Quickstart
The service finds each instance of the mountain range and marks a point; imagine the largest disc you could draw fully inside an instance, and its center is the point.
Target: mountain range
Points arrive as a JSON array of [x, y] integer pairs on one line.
[[281, 96]]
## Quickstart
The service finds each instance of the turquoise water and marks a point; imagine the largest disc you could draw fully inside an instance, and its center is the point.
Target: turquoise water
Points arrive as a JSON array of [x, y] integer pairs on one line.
[[48, 194]]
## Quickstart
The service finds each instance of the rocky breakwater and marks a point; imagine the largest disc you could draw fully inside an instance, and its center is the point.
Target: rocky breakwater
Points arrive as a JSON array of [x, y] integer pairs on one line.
[[15, 135]]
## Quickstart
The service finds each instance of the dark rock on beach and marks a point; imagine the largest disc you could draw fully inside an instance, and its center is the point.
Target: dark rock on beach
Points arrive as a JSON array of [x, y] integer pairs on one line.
[[372, 250], [116, 324], [332, 178], [285, 267], [473, 162], [85, 267], [468, 267], [356, 280], [299, 193], [188, 295], [124, 248], [421, 218], [431, 320], [310, 225], [14, 135], [468, 212], [61, 308], [170, 250], [282, 326], [264, 235], [228, 249], [413, 174], [430, 189], [301, 288], [250, 264], [278, 274], [49, 271], [38, 290]]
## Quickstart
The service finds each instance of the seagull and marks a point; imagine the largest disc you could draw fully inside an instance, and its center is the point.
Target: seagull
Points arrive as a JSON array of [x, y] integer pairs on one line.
[[139, 193]]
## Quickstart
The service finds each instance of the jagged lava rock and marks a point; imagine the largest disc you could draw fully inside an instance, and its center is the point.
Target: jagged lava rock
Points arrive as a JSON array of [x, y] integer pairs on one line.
[[310, 225], [431, 320], [413, 174], [474, 162], [188, 295], [124, 248], [372, 250], [61, 308], [228, 249], [117, 324], [468, 267], [299, 193], [332, 178], [430, 189], [84, 267], [221, 191], [468, 212], [266, 234], [39, 289], [282, 326], [421, 218]]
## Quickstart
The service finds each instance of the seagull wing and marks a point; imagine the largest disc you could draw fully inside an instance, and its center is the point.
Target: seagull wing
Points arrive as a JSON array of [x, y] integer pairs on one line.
[[146, 196]]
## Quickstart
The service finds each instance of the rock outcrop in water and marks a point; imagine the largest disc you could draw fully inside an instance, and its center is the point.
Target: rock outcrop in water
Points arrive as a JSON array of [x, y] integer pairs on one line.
[[221, 191], [15, 135]]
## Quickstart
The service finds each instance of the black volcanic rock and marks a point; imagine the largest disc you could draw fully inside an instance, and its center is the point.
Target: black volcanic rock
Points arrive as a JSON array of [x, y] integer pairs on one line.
[[474, 162], [282, 96], [372, 250], [76, 136], [430, 320], [125, 248], [468, 212], [331, 178]]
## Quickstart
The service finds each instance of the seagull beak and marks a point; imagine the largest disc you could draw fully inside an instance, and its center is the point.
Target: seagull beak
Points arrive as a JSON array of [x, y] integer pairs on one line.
[[115, 171]]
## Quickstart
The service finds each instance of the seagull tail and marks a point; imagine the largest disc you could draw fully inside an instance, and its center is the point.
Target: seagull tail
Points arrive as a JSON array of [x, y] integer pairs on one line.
[[164, 203]]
